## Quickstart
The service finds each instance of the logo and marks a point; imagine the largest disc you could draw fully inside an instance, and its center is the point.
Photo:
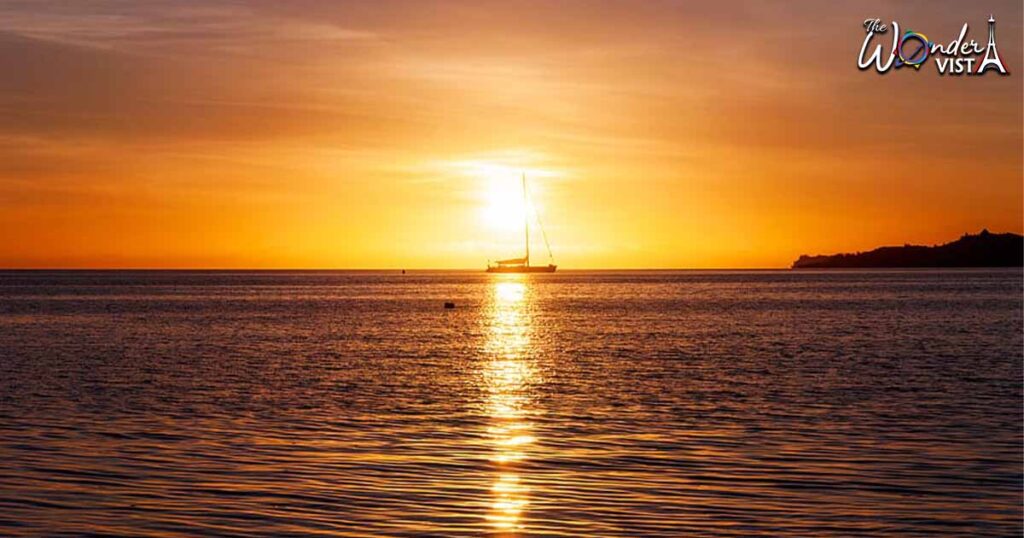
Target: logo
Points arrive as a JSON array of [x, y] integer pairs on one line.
[[912, 49]]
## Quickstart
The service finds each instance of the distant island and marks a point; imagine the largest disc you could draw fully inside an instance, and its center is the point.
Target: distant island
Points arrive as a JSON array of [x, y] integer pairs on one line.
[[983, 250]]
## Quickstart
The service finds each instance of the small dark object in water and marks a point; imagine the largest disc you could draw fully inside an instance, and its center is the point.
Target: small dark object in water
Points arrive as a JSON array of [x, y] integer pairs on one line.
[[449, 305], [403, 271]]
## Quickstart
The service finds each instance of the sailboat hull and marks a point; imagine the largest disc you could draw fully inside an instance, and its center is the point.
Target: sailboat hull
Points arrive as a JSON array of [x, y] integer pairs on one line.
[[522, 269]]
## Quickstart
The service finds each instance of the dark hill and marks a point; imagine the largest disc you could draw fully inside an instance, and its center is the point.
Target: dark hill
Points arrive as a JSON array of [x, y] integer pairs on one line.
[[983, 250]]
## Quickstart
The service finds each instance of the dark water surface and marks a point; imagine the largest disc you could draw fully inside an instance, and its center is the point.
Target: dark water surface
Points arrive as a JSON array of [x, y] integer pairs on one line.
[[574, 404]]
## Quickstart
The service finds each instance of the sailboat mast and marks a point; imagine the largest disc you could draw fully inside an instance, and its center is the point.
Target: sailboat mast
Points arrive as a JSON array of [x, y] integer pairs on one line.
[[526, 220]]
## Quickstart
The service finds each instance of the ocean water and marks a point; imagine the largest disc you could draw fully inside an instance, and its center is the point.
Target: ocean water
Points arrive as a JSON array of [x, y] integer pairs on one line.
[[871, 403]]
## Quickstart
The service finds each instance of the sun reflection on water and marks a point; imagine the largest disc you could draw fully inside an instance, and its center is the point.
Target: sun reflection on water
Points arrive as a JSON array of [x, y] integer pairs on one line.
[[507, 375]]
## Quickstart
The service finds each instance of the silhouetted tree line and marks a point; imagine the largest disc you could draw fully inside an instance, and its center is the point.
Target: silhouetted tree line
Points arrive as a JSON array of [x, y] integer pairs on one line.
[[985, 249]]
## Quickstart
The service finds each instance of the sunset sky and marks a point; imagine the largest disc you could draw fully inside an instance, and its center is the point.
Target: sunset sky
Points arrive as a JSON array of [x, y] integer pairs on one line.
[[308, 134]]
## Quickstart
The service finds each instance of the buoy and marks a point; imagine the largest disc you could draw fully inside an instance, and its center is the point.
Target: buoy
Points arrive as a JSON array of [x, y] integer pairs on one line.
[[449, 305]]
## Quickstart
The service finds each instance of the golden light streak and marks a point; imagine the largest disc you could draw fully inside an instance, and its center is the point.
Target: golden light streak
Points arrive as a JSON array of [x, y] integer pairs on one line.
[[507, 375]]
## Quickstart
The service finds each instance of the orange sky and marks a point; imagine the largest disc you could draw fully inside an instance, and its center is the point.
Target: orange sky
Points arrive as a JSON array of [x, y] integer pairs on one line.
[[386, 134]]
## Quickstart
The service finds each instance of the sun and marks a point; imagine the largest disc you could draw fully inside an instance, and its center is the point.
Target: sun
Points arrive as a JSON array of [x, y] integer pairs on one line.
[[503, 206], [498, 191]]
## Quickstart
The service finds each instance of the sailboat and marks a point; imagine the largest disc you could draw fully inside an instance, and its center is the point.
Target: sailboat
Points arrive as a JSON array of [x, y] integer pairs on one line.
[[522, 265]]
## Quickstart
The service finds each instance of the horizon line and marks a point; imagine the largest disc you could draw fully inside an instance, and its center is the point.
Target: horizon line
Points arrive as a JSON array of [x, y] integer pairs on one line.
[[377, 269], [463, 270]]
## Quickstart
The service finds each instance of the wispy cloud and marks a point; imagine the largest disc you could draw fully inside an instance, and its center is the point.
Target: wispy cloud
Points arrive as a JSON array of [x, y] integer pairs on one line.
[[152, 26]]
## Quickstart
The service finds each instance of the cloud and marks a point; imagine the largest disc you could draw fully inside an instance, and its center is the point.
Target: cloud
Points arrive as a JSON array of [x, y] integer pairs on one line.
[[157, 28]]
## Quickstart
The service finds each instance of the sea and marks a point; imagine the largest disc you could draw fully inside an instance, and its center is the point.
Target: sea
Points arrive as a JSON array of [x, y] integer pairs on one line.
[[580, 403]]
